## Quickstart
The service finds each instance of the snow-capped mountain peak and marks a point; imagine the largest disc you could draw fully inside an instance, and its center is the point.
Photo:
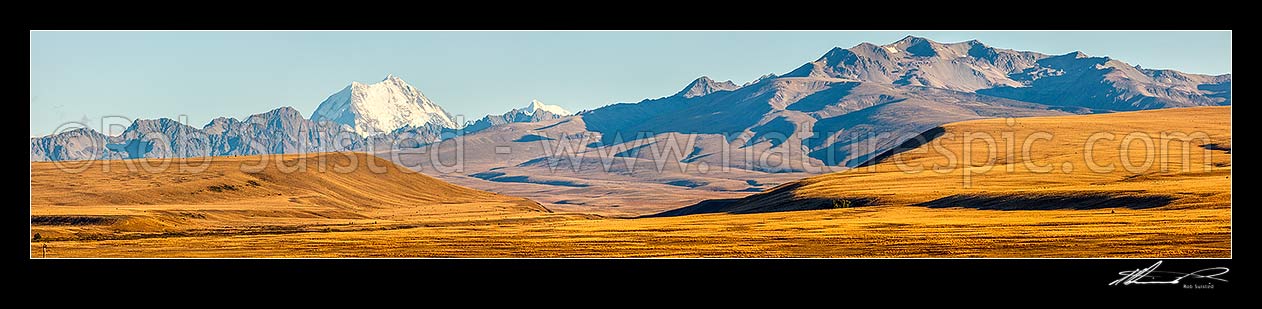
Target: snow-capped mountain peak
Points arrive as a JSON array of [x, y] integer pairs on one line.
[[382, 107], [535, 105], [530, 113]]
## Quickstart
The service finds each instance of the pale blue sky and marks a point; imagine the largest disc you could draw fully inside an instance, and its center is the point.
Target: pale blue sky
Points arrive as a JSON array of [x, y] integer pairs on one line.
[[88, 75]]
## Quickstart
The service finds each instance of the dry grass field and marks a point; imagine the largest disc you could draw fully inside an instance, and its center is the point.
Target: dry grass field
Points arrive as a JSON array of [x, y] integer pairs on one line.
[[881, 231], [1004, 207], [251, 195]]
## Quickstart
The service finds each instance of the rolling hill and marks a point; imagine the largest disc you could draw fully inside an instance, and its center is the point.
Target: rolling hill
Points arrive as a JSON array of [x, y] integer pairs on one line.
[[249, 194], [1193, 170]]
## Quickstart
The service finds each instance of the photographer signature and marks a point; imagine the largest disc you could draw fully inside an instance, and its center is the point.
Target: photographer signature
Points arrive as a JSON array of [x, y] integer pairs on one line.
[[1151, 275]]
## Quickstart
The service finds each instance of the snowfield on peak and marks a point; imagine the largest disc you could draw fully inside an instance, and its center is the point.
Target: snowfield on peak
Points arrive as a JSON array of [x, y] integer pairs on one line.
[[382, 108], [535, 105]]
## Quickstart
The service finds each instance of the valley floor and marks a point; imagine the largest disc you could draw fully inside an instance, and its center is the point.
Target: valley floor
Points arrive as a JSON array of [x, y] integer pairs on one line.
[[881, 231]]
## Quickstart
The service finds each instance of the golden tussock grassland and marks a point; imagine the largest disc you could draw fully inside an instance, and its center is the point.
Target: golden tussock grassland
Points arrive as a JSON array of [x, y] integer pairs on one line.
[[955, 196]]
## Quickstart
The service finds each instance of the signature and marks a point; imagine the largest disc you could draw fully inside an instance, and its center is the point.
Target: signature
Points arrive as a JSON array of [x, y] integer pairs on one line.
[[1151, 275]]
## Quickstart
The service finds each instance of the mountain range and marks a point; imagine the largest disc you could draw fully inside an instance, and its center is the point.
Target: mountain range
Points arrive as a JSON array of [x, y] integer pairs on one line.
[[1071, 80], [837, 111], [390, 113], [535, 112]]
